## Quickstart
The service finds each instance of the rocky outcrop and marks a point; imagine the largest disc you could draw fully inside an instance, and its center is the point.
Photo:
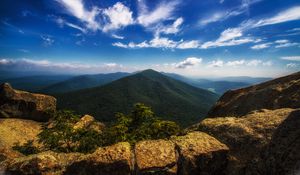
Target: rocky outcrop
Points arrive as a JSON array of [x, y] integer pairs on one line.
[[20, 104], [282, 155], [200, 153], [18, 131], [248, 138], [89, 122], [195, 153], [282, 92], [156, 157]]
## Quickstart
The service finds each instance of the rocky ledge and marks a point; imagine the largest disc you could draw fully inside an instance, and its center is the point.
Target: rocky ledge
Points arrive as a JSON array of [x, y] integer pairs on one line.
[[19, 104]]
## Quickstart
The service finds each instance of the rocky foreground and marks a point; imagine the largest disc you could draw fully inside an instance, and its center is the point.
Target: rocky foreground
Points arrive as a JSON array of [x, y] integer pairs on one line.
[[257, 133]]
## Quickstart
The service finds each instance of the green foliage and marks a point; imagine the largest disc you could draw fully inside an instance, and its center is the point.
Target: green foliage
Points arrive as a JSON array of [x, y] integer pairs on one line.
[[140, 124], [61, 136], [27, 148]]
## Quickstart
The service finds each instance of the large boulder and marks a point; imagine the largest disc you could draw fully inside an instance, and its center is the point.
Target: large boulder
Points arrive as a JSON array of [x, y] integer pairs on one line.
[[21, 104], [247, 137], [45, 163], [111, 160], [279, 93], [200, 153], [156, 157]]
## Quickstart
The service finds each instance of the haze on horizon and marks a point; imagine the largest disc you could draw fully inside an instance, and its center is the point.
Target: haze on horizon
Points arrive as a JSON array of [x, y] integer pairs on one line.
[[259, 38]]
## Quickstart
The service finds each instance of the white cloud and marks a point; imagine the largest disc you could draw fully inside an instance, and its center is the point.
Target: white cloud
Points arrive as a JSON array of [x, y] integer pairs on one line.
[[47, 40], [118, 16], [291, 58], [283, 41], [286, 45], [117, 36], [189, 44], [160, 42], [46, 65], [254, 63], [171, 29], [223, 15], [61, 22], [291, 65], [290, 14], [215, 63], [261, 46], [188, 62], [229, 37], [235, 63], [77, 9], [267, 63], [162, 12]]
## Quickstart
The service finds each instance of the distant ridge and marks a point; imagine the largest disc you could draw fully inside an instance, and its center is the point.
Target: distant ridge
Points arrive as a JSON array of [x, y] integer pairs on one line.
[[171, 99], [83, 82]]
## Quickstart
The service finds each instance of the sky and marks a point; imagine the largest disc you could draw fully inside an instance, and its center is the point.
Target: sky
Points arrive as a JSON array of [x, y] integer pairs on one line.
[[198, 38]]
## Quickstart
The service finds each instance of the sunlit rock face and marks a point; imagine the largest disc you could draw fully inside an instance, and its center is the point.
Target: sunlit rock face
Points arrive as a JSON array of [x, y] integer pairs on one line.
[[21, 104]]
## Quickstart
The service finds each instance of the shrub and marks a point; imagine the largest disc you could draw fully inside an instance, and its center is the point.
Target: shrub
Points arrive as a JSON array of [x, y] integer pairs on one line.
[[140, 124], [59, 135]]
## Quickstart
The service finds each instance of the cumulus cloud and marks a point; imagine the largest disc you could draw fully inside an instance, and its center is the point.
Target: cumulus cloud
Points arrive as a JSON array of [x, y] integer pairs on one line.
[[188, 44], [189, 62], [171, 29], [235, 63], [117, 16], [215, 63], [291, 58]]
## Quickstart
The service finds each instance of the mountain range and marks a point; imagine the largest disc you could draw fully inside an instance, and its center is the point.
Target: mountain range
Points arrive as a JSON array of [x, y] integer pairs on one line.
[[50, 83], [170, 99]]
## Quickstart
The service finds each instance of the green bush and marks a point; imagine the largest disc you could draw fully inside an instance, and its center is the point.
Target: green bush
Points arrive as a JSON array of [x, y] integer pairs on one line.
[[59, 135], [140, 124]]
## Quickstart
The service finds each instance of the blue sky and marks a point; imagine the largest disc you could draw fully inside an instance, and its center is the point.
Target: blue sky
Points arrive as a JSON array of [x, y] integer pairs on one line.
[[190, 37]]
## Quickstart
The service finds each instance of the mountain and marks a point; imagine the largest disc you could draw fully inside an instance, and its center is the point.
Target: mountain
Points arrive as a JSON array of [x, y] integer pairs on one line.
[[82, 82], [273, 94], [217, 86], [170, 99], [35, 83]]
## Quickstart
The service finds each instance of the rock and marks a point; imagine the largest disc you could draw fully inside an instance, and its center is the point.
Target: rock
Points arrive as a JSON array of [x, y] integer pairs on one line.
[[18, 131], [21, 104], [279, 93], [111, 160], [200, 153], [246, 136], [89, 122], [156, 157], [282, 155], [45, 163]]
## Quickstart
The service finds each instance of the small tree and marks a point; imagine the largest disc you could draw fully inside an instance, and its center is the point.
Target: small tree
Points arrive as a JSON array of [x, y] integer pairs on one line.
[[140, 124], [59, 135]]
